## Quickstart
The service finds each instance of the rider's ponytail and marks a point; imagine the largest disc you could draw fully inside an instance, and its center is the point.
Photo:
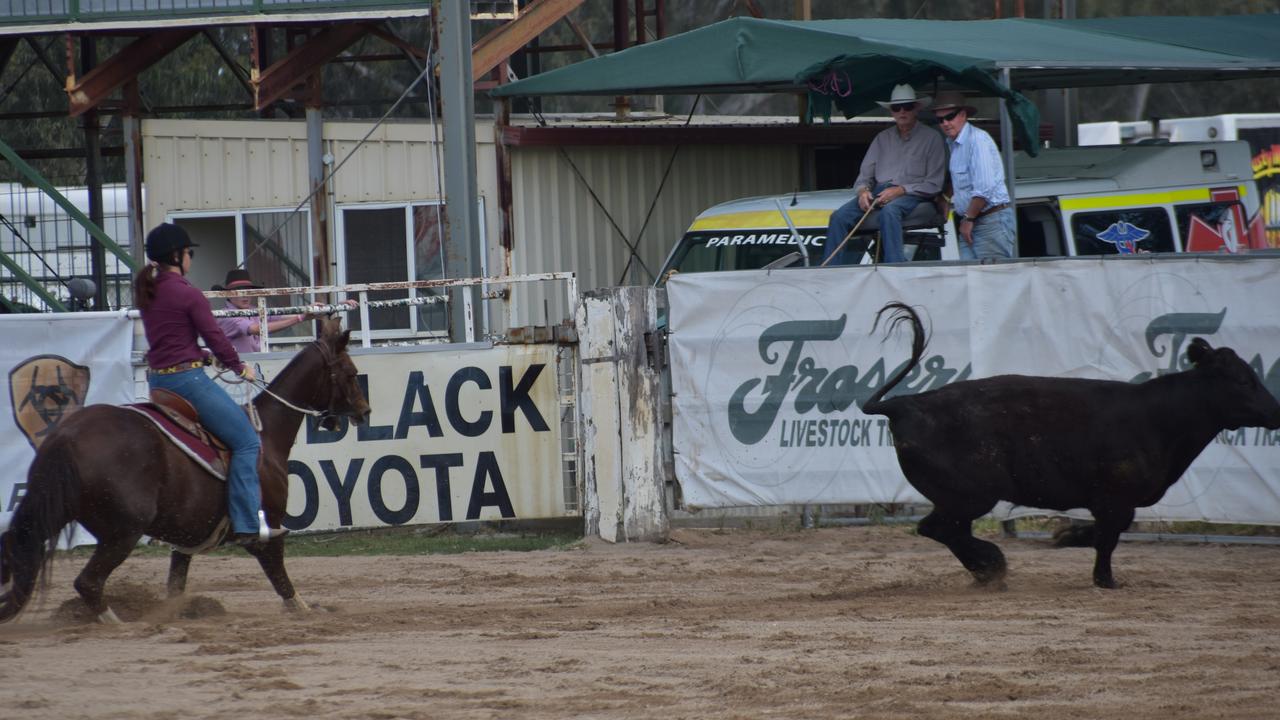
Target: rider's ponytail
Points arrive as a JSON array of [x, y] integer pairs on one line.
[[144, 286]]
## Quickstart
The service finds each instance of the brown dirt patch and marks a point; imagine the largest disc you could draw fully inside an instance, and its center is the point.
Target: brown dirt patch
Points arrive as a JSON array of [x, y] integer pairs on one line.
[[867, 622]]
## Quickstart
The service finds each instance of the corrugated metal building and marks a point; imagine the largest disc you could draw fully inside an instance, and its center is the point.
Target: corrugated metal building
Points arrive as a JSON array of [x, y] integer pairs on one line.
[[574, 207]]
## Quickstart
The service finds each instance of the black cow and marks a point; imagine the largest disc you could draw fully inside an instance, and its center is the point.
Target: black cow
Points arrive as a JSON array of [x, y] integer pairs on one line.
[[1059, 443]]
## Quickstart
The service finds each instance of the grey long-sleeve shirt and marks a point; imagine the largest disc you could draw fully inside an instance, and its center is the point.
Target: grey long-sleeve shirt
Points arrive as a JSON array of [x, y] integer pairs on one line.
[[918, 162]]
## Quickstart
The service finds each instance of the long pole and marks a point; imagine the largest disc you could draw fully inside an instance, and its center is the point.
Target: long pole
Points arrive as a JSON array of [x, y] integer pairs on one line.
[[1006, 138], [848, 235], [458, 116]]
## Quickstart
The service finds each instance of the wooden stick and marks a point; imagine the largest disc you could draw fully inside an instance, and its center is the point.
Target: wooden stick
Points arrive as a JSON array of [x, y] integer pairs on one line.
[[852, 230]]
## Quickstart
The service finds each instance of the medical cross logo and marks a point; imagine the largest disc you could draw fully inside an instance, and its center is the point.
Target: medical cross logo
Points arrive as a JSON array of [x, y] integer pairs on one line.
[[43, 390]]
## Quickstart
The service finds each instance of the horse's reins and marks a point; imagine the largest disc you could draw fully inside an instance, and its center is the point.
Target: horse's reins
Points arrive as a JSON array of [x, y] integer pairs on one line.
[[329, 360]]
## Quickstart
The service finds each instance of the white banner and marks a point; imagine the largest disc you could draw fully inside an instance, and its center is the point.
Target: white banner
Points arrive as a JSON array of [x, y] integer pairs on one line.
[[54, 365], [455, 435], [768, 369]]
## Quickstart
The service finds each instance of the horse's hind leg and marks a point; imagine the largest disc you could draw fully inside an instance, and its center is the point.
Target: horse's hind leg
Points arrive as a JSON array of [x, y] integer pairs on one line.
[[270, 556], [179, 563], [92, 580], [979, 557]]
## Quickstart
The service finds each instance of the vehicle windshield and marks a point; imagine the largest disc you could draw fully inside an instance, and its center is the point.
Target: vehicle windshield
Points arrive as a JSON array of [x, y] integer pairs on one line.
[[714, 250]]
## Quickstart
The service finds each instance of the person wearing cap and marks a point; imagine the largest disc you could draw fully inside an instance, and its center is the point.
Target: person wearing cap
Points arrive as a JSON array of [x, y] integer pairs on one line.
[[905, 166], [245, 333], [985, 219], [175, 316]]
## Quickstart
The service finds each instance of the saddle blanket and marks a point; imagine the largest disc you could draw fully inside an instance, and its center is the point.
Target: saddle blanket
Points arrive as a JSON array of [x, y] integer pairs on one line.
[[203, 454]]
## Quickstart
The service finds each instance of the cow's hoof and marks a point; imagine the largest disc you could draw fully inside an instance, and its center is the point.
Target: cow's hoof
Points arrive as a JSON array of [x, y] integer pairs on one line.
[[991, 576], [296, 604], [992, 585], [1106, 584]]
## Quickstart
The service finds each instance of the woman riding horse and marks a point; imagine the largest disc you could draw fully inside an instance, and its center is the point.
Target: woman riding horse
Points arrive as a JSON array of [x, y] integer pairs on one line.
[[174, 315], [114, 472]]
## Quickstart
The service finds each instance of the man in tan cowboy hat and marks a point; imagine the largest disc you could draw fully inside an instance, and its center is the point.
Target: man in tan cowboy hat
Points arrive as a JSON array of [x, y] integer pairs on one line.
[[904, 166], [245, 333], [985, 219]]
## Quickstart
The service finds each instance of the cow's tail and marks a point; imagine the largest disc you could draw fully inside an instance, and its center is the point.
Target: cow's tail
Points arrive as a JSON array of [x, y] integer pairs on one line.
[[49, 505], [901, 313]]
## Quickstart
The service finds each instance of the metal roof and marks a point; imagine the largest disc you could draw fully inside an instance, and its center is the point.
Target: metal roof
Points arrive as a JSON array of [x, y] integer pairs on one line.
[[30, 17]]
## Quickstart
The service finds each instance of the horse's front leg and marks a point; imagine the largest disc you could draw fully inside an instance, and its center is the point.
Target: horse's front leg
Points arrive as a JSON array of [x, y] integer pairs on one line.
[[179, 563], [271, 557]]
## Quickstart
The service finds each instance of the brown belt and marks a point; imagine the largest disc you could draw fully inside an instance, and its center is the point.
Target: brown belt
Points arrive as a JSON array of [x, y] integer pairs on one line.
[[993, 208], [178, 368]]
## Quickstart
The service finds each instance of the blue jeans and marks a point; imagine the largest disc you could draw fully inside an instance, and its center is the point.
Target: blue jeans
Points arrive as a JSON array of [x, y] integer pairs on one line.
[[224, 418], [993, 237], [847, 215]]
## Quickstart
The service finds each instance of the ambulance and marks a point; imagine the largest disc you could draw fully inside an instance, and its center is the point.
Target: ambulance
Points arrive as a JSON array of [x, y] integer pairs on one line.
[[1100, 200]]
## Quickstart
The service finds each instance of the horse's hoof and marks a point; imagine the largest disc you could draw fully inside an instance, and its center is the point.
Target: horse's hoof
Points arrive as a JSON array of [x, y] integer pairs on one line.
[[108, 617], [296, 604]]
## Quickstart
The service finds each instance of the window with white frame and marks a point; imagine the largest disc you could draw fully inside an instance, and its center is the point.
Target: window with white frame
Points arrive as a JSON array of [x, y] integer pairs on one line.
[[395, 243], [273, 245]]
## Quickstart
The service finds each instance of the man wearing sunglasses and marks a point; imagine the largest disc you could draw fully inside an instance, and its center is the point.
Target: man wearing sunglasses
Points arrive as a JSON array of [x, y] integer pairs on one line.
[[904, 166], [985, 219]]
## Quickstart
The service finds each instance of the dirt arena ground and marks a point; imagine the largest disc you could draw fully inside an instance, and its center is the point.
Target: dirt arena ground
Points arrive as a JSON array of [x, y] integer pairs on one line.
[[847, 622]]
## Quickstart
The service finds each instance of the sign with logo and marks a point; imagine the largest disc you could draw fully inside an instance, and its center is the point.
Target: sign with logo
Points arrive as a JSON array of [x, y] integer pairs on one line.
[[42, 390], [56, 363], [455, 435], [769, 369]]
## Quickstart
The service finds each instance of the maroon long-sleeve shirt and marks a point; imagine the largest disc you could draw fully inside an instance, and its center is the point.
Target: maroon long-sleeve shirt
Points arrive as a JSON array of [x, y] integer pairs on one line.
[[177, 317]]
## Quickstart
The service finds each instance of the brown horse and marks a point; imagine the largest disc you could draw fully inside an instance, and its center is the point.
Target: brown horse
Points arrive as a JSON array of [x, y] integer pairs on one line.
[[112, 471]]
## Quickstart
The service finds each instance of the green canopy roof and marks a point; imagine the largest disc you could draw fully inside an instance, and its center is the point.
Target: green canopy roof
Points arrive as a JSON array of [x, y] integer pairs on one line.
[[850, 63], [753, 55]]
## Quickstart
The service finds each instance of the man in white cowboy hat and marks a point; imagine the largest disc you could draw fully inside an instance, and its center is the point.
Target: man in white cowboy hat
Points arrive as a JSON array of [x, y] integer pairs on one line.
[[984, 217], [904, 166]]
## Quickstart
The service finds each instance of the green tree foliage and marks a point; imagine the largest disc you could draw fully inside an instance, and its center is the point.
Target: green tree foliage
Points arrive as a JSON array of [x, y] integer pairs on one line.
[[194, 81]]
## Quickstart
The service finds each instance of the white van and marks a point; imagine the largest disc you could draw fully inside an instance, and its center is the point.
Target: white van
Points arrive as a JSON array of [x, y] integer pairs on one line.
[[1101, 200]]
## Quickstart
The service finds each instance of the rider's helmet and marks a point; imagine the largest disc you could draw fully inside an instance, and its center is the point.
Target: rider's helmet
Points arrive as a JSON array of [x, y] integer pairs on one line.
[[165, 242]]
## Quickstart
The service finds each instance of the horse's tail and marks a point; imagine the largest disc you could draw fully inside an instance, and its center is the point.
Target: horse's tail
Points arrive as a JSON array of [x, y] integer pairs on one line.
[[50, 504], [901, 313]]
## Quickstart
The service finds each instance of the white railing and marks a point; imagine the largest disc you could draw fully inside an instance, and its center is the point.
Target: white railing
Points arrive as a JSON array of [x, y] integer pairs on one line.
[[492, 288]]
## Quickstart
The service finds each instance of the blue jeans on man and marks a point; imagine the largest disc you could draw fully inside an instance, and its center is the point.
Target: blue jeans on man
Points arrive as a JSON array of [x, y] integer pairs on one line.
[[993, 236], [891, 217], [227, 420]]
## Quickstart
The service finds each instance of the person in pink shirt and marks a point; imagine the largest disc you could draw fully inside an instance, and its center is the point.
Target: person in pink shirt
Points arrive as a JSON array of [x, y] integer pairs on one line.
[[175, 316], [245, 332]]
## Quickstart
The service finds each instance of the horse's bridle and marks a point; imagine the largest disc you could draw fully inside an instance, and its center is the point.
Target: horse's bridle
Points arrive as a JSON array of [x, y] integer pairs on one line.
[[331, 364]]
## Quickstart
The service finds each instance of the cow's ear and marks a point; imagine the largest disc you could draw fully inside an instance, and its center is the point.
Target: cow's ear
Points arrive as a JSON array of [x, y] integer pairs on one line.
[[1199, 350]]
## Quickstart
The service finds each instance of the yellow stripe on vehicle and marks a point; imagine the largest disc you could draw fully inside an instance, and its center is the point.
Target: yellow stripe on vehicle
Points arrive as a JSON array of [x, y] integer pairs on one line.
[[1137, 200], [761, 219]]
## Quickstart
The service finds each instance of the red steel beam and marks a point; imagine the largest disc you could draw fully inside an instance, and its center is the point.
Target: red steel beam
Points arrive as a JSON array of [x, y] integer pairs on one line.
[[292, 70], [500, 44], [87, 92]]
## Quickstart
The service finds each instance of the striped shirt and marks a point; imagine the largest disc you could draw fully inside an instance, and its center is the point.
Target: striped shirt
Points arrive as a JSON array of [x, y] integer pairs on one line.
[[917, 162], [976, 169]]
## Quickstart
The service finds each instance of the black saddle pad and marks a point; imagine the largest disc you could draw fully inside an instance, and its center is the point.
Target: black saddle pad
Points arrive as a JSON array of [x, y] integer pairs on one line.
[[925, 215]]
